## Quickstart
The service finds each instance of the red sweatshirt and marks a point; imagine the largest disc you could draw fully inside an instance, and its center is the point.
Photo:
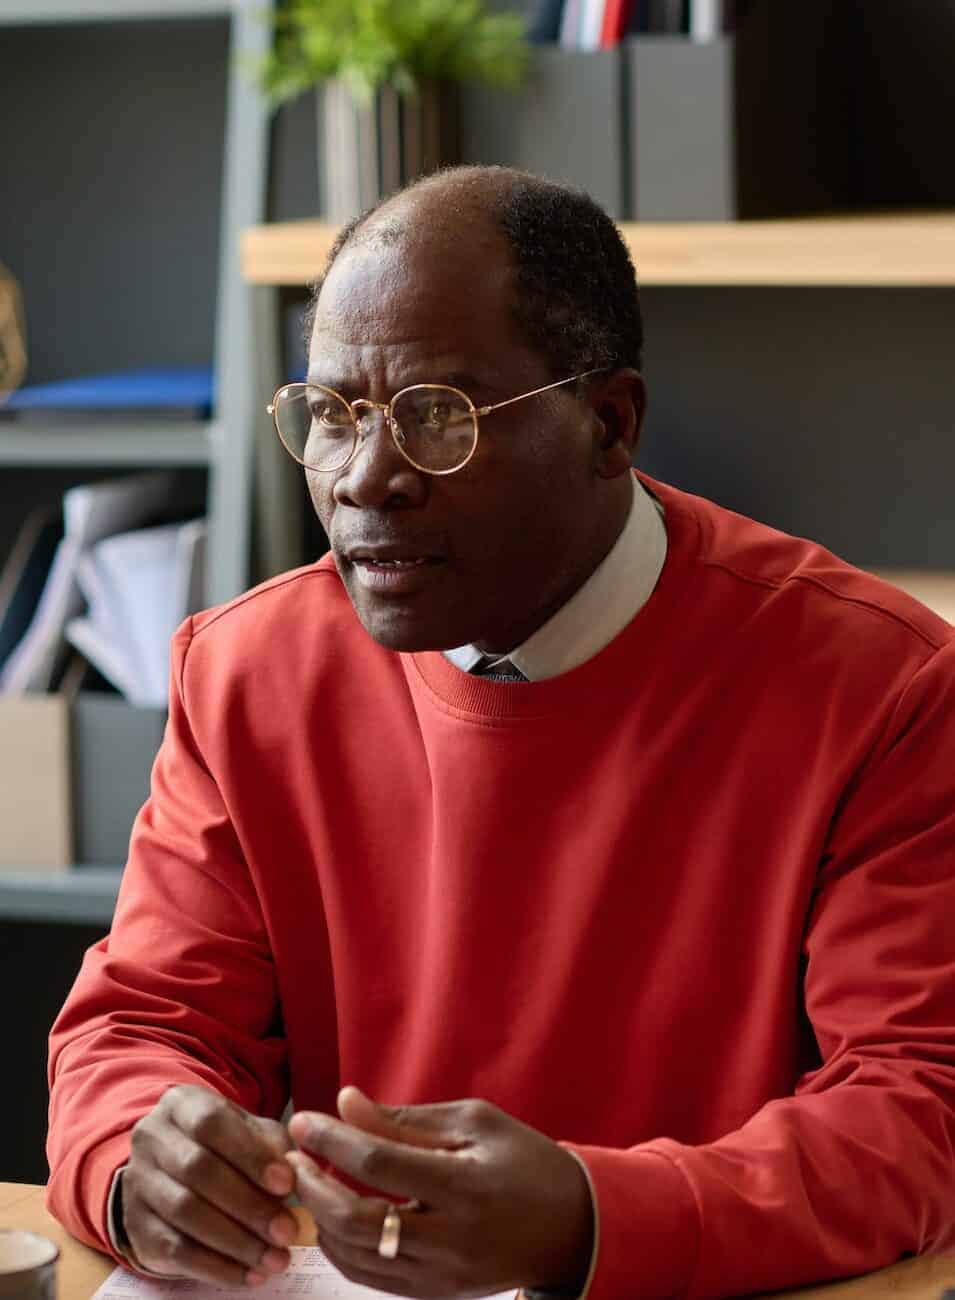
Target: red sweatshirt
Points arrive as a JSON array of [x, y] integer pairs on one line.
[[689, 908]]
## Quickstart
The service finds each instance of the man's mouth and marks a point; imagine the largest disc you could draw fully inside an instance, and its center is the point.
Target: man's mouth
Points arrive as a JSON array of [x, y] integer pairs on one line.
[[410, 563], [390, 570]]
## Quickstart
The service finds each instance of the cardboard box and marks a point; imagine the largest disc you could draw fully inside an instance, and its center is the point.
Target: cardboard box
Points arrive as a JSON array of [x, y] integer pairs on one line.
[[35, 795], [73, 774]]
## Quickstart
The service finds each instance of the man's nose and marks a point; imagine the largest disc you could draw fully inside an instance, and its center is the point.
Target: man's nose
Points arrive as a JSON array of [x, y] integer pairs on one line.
[[378, 474]]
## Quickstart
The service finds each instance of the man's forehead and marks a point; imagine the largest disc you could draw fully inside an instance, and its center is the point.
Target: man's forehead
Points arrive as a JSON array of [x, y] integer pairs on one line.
[[410, 285]]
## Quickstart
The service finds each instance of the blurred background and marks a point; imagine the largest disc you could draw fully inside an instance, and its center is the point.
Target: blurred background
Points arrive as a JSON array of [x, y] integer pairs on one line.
[[783, 174]]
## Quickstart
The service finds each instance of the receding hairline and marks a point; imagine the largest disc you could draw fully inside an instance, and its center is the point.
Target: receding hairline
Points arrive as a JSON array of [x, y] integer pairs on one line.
[[575, 293], [458, 196]]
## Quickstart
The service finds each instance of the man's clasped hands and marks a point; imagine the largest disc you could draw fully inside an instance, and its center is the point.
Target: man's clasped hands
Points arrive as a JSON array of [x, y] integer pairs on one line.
[[486, 1204]]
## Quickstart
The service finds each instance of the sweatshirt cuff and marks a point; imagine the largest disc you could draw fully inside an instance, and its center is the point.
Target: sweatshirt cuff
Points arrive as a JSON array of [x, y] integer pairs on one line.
[[84, 1210], [647, 1229], [114, 1218], [582, 1292], [118, 1236]]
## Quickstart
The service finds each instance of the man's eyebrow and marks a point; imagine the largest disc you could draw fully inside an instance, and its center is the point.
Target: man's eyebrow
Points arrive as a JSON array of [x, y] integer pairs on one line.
[[466, 382], [335, 382], [456, 379]]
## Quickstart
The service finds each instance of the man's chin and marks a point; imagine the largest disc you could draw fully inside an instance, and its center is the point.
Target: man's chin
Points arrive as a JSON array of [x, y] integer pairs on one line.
[[400, 630], [404, 641]]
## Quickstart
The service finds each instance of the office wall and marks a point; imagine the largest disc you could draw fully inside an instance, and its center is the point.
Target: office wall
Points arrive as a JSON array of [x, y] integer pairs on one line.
[[38, 963], [825, 412], [111, 140]]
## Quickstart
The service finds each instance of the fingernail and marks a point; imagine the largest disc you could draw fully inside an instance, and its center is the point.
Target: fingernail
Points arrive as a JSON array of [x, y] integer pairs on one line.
[[255, 1279], [302, 1123], [276, 1261], [278, 1179], [282, 1231]]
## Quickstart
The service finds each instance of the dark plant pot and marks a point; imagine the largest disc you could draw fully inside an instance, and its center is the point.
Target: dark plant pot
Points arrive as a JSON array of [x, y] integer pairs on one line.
[[368, 150]]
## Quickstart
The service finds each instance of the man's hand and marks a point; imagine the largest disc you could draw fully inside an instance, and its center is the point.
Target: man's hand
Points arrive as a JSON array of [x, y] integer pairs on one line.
[[502, 1206], [203, 1191]]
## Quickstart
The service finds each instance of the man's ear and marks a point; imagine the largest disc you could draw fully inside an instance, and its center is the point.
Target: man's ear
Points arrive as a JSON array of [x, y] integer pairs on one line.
[[619, 401]]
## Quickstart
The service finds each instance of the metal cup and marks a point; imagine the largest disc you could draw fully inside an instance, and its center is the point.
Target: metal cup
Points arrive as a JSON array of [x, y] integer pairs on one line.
[[27, 1266]]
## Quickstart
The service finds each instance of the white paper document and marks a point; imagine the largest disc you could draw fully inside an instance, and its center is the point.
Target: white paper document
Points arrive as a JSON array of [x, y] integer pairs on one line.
[[138, 586], [310, 1274], [91, 512]]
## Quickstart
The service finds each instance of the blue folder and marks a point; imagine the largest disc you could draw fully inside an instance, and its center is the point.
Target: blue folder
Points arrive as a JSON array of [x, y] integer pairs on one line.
[[187, 389]]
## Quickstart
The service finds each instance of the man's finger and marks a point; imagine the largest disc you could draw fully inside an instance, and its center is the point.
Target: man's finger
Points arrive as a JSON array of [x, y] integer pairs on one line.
[[256, 1150], [398, 1169], [344, 1218], [207, 1226], [172, 1253], [211, 1177]]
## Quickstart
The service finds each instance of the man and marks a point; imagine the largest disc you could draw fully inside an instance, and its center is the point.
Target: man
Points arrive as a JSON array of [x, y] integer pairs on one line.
[[553, 788]]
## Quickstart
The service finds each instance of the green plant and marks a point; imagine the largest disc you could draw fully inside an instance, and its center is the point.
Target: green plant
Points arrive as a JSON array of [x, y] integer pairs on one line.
[[372, 43]]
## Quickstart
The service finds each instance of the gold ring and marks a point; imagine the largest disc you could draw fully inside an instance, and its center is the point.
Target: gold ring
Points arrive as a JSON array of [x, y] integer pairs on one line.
[[390, 1234]]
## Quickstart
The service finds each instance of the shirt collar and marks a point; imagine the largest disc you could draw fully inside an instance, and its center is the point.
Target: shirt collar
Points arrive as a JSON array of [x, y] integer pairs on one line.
[[614, 593]]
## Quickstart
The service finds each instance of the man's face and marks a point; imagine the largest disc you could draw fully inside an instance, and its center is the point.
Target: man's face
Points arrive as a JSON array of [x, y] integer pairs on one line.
[[491, 550]]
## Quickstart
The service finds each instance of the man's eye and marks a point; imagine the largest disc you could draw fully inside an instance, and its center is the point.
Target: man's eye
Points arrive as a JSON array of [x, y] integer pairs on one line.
[[325, 413], [438, 415]]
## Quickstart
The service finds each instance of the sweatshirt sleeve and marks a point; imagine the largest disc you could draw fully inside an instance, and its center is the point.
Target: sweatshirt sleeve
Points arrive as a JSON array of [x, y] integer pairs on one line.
[[857, 1168], [182, 990]]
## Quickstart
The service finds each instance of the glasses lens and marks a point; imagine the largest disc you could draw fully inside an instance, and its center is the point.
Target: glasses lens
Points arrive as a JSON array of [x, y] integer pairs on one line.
[[436, 426], [316, 425]]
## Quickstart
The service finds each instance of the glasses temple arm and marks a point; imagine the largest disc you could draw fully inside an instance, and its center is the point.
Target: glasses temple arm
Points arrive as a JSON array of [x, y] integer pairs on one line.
[[486, 410]]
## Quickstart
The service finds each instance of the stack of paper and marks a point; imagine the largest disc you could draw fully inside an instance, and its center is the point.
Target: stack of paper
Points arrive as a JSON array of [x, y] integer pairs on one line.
[[138, 586], [90, 513], [310, 1274]]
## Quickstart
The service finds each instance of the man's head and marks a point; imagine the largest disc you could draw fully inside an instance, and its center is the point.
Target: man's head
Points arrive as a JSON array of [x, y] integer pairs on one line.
[[498, 283]]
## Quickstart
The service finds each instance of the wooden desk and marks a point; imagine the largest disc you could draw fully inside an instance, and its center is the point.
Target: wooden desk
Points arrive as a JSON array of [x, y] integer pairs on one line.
[[83, 1270]]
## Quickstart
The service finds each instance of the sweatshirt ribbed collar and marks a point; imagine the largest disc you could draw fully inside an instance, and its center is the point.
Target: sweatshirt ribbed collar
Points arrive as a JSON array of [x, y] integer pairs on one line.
[[614, 593], [596, 682]]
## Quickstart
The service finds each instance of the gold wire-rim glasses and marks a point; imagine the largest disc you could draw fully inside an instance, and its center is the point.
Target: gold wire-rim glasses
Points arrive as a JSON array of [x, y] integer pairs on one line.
[[387, 409]]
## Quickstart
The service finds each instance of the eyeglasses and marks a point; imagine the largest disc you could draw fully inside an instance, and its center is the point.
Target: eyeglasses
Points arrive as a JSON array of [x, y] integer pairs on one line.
[[434, 426]]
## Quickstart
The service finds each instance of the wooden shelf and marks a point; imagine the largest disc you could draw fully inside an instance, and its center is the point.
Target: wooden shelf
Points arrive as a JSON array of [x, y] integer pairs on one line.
[[901, 250], [79, 895]]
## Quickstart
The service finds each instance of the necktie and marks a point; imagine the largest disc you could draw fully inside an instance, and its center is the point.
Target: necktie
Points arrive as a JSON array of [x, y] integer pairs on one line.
[[497, 670]]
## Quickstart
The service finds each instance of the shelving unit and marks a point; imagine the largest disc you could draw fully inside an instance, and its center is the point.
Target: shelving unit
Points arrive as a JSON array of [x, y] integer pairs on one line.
[[223, 445], [229, 35]]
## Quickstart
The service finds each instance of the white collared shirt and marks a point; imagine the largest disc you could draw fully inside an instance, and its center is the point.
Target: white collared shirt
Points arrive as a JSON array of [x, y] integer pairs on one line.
[[618, 588]]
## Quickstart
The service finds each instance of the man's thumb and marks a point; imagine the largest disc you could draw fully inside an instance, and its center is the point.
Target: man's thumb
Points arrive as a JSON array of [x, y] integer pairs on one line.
[[419, 1126]]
